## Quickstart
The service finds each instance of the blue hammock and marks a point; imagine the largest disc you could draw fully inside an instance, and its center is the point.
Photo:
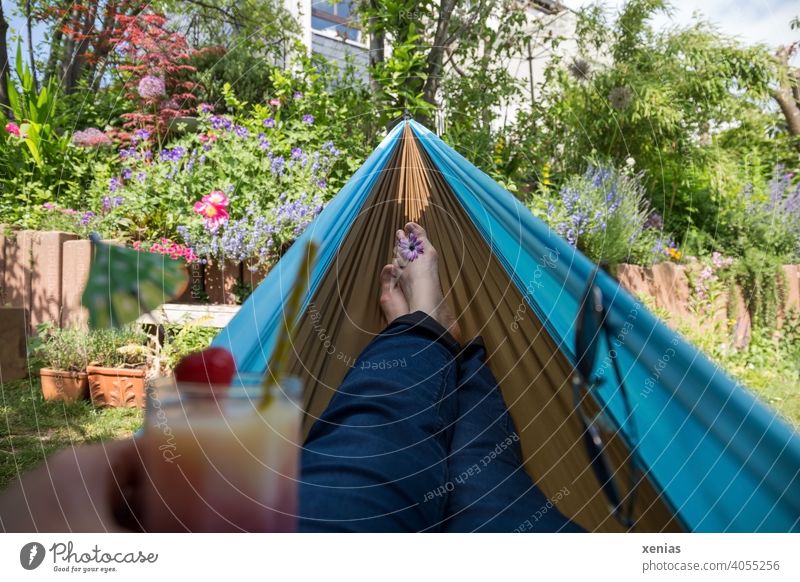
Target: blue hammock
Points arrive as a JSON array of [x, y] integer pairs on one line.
[[686, 447]]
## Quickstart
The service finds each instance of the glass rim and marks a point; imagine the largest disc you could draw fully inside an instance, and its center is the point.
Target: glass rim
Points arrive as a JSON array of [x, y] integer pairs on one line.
[[244, 386]]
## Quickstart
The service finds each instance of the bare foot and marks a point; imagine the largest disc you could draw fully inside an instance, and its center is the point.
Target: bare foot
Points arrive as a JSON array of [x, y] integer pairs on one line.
[[419, 278], [393, 302]]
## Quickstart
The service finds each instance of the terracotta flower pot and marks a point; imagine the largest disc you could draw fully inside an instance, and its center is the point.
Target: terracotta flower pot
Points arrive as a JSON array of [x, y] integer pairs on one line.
[[116, 387], [63, 385]]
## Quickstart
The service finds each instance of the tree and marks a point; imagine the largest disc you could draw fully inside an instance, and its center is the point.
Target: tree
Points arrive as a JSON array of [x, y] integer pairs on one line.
[[4, 67], [787, 91], [667, 101], [156, 66], [79, 35], [428, 39]]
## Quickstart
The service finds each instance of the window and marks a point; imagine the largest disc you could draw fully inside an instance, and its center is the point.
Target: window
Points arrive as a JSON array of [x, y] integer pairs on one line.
[[336, 17]]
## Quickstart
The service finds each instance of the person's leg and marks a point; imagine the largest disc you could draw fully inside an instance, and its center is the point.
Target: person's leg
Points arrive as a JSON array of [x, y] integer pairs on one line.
[[491, 492], [378, 454]]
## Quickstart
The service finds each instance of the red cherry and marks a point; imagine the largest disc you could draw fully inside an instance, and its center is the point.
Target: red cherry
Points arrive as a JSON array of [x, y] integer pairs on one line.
[[211, 366]]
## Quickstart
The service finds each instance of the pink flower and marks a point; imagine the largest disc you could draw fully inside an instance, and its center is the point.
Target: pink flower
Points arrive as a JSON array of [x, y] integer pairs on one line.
[[90, 138], [151, 87], [213, 215], [13, 129], [48, 206], [275, 102], [216, 198], [411, 247]]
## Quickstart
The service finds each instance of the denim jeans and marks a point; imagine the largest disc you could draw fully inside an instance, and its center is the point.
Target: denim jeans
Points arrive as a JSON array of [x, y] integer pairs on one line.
[[418, 438]]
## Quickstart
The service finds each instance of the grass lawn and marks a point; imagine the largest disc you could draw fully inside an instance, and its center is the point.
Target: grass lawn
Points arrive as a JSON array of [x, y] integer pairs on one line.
[[31, 428]]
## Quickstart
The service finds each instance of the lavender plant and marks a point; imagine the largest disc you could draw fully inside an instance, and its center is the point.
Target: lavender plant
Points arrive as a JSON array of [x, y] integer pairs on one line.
[[605, 214], [769, 219]]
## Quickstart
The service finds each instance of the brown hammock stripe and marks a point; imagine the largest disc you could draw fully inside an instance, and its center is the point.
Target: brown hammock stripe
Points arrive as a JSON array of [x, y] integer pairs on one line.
[[344, 315]]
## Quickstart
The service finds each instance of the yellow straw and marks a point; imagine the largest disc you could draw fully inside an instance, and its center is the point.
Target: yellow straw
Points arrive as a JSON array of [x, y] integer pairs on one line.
[[280, 356]]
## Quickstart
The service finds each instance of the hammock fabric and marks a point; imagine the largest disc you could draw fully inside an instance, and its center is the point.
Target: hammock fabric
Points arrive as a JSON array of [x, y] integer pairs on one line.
[[709, 455]]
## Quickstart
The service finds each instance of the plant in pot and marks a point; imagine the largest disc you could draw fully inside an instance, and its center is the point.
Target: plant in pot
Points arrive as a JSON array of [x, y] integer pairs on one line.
[[118, 361], [62, 355]]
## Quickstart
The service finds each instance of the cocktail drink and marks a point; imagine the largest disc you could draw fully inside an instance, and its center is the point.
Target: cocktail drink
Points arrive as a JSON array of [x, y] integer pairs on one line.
[[216, 461]]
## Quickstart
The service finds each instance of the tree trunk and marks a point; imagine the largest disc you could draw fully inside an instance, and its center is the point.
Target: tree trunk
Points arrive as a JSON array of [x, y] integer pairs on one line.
[[377, 47], [790, 109], [78, 60], [436, 54], [786, 93], [31, 55], [4, 69], [68, 52], [56, 50]]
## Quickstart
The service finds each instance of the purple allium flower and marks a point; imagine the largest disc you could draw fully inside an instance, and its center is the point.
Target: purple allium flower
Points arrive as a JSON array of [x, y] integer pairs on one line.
[[269, 122], [308, 118], [411, 247], [151, 87], [654, 221], [90, 138]]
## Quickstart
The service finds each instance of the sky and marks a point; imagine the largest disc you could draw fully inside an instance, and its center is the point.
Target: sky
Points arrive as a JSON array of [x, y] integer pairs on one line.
[[751, 21]]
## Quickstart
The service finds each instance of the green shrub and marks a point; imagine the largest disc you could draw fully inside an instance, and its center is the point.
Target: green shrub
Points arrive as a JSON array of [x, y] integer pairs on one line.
[[60, 349], [183, 339], [605, 214], [119, 348]]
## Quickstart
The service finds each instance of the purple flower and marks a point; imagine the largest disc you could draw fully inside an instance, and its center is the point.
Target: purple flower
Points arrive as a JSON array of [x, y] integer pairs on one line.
[[141, 176], [205, 108], [241, 131], [173, 155], [87, 216], [221, 122], [297, 153], [308, 118], [127, 173], [140, 135], [48, 206], [269, 122], [411, 247], [278, 165], [114, 184], [654, 221], [322, 183], [297, 95], [125, 153], [151, 87]]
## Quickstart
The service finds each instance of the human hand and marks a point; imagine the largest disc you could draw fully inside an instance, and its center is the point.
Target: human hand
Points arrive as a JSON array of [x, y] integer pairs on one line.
[[83, 489]]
